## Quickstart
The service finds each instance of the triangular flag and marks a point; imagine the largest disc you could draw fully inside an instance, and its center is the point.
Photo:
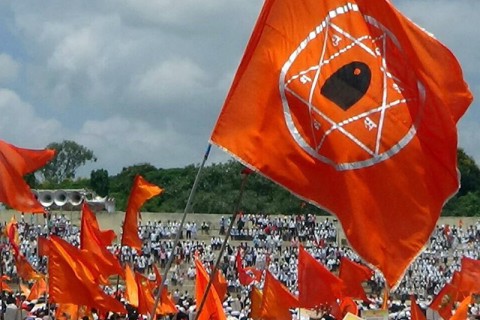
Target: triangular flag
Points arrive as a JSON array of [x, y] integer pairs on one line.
[[141, 191], [415, 311], [212, 308]]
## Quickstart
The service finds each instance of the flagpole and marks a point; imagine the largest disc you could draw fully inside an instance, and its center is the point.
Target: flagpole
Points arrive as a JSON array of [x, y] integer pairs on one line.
[[188, 207], [224, 244]]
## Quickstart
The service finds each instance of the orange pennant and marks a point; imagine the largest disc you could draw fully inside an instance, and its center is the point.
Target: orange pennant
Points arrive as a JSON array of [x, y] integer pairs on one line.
[[15, 163], [141, 191], [353, 275]]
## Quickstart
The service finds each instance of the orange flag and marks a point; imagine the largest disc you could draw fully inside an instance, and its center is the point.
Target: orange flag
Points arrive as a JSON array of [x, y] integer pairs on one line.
[[38, 289], [444, 300], [67, 311], [25, 290], [348, 305], [88, 217], [467, 279], [244, 278], [25, 269], [141, 191], [354, 110], [72, 281], [256, 296], [277, 300], [43, 245], [14, 164], [353, 275], [462, 310], [220, 285], [317, 286], [3, 285], [131, 287], [415, 311], [11, 231], [93, 242], [212, 308]]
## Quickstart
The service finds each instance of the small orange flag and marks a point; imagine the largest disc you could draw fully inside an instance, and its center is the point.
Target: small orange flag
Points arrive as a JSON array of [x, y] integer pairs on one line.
[[38, 289], [357, 114], [141, 191], [131, 287], [106, 237], [353, 275], [256, 296], [93, 243], [25, 269], [212, 308], [467, 279], [72, 281], [3, 284], [415, 311], [15, 163], [444, 301], [317, 286], [277, 300], [11, 231], [220, 284], [462, 310]]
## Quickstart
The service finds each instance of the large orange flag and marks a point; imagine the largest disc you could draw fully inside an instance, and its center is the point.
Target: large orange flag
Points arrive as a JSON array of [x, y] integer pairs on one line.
[[14, 164], [93, 241], [317, 286], [72, 281], [354, 110], [353, 275], [276, 300], [212, 308], [141, 191]]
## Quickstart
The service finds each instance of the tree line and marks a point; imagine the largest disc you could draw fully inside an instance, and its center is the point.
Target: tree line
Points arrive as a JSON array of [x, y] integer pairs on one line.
[[218, 188]]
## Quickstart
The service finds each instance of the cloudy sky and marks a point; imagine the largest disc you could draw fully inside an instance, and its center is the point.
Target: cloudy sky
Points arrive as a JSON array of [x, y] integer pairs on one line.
[[144, 80]]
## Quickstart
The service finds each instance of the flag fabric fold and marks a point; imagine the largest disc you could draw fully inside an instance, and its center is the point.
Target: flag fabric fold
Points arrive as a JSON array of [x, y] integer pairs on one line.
[[141, 191], [357, 114], [15, 163]]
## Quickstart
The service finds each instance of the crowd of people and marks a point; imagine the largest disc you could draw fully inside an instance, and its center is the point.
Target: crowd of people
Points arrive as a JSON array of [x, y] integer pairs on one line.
[[266, 242]]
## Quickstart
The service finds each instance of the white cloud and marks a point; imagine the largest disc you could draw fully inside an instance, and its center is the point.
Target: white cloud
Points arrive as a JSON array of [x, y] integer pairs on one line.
[[20, 125], [9, 68]]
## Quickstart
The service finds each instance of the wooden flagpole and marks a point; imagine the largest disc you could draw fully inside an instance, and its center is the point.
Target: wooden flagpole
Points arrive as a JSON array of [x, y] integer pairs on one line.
[[188, 207], [224, 244]]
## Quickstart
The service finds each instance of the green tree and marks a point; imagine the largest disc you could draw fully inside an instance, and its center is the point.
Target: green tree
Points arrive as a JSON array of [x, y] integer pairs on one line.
[[99, 182], [69, 157], [470, 174]]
